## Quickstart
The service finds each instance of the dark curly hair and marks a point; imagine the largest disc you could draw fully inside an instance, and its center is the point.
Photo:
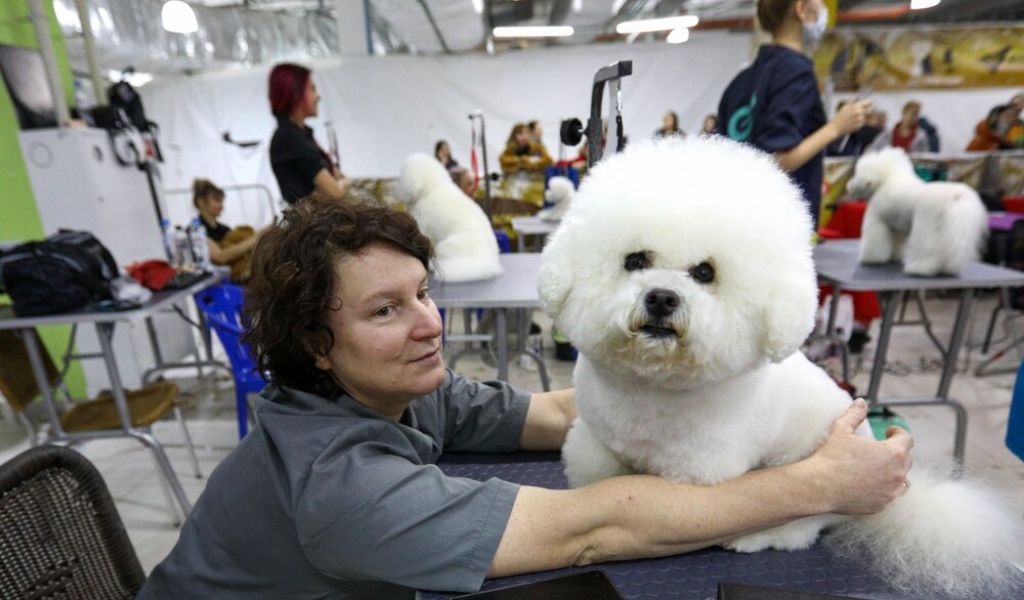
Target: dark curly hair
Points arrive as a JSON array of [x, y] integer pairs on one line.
[[294, 278]]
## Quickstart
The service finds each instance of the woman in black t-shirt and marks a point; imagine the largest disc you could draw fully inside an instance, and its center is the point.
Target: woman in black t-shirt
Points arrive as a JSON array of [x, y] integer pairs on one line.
[[300, 165], [227, 246]]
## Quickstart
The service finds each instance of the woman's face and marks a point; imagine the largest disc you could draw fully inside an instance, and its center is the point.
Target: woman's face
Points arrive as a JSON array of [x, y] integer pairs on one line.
[[310, 99], [442, 152], [709, 124], [523, 137], [668, 122], [211, 205], [387, 332]]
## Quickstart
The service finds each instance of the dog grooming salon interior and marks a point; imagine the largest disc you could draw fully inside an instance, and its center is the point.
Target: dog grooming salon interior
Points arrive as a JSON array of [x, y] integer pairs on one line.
[[501, 299]]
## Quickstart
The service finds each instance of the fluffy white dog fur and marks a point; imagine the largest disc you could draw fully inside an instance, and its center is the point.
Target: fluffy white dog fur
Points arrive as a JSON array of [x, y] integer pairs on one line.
[[683, 274], [560, 193], [464, 244], [934, 228]]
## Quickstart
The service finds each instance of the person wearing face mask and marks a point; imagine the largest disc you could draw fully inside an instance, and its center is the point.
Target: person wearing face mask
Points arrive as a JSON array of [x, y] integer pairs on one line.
[[300, 165], [775, 104]]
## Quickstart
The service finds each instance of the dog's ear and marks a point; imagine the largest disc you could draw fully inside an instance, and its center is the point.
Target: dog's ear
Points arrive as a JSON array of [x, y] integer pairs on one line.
[[789, 313], [554, 280]]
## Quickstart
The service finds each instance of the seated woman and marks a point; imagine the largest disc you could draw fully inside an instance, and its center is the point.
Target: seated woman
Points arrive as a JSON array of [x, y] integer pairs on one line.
[[522, 154], [227, 246], [335, 493]]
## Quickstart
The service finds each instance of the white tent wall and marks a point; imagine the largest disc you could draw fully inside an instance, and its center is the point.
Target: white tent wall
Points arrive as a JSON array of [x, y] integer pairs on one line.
[[384, 108]]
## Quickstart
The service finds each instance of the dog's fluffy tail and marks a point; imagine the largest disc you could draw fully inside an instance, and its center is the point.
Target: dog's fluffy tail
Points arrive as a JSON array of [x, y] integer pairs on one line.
[[944, 537], [965, 228], [468, 269]]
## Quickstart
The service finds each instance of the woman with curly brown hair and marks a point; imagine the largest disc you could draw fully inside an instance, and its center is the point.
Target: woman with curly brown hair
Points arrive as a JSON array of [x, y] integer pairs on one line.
[[335, 494]]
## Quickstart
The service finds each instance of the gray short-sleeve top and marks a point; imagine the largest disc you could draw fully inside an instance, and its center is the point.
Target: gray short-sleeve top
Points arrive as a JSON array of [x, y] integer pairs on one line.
[[327, 499]]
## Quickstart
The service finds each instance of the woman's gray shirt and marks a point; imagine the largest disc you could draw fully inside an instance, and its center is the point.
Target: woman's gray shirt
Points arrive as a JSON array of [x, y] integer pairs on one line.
[[327, 499]]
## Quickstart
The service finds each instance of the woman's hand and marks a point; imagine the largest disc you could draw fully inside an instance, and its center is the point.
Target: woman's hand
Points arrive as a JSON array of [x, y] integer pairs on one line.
[[851, 116], [857, 475]]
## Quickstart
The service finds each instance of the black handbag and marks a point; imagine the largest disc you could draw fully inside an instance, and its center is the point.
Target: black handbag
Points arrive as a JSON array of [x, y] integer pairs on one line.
[[66, 271]]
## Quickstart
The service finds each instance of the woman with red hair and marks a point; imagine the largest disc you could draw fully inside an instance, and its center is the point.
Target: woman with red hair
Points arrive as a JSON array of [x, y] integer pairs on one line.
[[301, 167]]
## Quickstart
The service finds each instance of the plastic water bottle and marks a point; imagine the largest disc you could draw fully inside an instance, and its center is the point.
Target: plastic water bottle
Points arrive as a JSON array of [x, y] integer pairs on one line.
[[84, 102], [200, 247], [168, 239], [182, 250]]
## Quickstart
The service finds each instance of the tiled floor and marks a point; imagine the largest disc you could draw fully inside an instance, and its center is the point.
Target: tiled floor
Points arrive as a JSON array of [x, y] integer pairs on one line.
[[131, 476]]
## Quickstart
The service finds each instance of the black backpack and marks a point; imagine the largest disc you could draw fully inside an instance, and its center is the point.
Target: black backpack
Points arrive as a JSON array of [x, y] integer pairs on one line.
[[66, 271]]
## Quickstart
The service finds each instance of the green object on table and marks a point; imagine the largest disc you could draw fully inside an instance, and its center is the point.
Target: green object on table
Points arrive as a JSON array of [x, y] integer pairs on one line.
[[881, 419]]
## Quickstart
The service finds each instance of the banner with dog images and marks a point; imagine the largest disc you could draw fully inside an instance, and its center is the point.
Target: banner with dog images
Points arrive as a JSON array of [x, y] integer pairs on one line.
[[898, 59]]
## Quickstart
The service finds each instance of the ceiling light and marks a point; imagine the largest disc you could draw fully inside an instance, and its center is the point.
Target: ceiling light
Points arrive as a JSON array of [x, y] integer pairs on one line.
[[478, 6], [134, 79], [178, 17], [678, 36], [649, 25], [577, 6], [535, 31], [921, 4]]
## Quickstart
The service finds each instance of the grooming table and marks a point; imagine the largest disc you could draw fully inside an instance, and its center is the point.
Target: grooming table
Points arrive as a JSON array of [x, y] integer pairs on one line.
[[836, 264], [524, 226], [515, 289], [692, 576]]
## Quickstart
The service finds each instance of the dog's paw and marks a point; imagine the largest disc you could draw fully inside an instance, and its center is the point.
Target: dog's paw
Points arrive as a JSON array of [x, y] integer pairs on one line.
[[794, 536]]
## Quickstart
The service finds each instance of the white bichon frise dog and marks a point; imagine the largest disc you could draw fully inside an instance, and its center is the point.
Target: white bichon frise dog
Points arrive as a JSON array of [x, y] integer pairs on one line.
[[464, 243], [935, 227], [683, 274], [559, 193]]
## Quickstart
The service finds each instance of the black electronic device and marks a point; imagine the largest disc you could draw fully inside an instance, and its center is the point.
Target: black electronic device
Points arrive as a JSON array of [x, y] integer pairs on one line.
[[592, 585]]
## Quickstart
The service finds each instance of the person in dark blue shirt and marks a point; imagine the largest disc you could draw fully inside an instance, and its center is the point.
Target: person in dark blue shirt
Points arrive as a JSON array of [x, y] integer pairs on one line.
[[775, 105]]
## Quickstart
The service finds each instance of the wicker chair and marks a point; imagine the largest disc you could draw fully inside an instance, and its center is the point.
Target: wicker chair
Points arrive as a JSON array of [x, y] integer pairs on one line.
[[62, 537], [95, 418]]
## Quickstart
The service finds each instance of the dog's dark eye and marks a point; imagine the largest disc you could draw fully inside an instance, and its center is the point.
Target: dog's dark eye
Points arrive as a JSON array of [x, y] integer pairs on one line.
[[703, 273], [636, 261]]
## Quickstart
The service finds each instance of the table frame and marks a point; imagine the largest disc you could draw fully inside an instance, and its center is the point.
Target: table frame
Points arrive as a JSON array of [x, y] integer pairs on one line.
[[105, 323], [837, 264]]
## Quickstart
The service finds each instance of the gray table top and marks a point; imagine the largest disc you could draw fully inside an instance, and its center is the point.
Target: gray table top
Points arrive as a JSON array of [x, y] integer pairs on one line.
[[516, 287], [158, 302], [533, 225], [836, 262]]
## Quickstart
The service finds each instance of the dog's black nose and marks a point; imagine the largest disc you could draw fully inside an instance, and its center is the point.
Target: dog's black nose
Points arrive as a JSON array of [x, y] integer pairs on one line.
[[661, 302]]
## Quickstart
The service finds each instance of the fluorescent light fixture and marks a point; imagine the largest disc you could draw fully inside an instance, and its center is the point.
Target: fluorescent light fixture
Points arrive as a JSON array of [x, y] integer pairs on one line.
[[649, 25], [678, 36], [922, 4], [577, 6], [535, 31], [136, 79], [478, 6], [178, 17]]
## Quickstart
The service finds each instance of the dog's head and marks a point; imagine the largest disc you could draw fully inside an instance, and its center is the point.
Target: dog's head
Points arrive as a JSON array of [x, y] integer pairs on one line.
[[875, 168], [683, 262], [560, 190], [421, 174]]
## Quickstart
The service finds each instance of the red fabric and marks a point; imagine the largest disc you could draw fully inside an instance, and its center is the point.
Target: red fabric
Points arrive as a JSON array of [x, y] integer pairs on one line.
[[154, 274], [901, 141], [846, 224]]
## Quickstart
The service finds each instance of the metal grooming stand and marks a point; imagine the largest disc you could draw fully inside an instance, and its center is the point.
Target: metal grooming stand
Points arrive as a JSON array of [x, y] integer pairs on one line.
[[612, 74], [488, 202]]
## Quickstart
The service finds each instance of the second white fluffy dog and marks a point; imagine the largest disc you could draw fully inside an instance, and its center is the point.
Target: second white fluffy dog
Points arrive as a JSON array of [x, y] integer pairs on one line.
[[683, 274], [464, 243], [935, 228]]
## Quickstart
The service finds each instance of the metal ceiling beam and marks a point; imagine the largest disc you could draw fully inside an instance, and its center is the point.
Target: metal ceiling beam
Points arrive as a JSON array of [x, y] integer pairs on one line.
[[433, 24], [559, 12]]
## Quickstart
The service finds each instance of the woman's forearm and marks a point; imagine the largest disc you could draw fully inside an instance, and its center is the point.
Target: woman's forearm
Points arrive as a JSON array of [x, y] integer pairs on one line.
[[811, 146]]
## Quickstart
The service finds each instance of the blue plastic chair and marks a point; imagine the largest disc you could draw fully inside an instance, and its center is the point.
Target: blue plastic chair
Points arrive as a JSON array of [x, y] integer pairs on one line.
[[1015, 427], [221, 306]]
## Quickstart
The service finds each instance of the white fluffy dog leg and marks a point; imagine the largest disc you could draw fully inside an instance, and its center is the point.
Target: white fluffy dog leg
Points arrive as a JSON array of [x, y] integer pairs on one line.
[[926, 250], [877, 245], [795, 535], [586, 457]]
